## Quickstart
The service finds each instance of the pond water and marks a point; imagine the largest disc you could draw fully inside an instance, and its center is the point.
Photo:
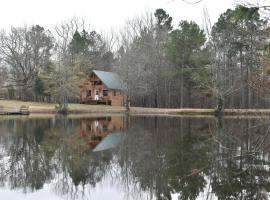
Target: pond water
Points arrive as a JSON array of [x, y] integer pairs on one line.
[[134, 158]]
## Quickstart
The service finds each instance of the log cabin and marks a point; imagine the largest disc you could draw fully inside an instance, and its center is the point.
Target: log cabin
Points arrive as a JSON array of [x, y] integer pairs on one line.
[[102, 87]]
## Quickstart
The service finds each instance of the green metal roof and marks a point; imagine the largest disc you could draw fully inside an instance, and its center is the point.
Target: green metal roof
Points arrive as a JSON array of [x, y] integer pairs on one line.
[[110, 79]]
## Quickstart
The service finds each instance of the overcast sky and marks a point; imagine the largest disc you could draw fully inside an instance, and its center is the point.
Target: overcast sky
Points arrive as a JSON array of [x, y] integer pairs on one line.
[[102, 14]]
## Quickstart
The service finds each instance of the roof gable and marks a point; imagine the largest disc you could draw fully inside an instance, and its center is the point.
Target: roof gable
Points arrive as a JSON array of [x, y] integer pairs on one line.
[[110, 79]]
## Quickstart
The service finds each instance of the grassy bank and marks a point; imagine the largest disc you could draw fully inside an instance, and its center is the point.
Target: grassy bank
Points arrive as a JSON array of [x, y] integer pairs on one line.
[[36, 107], [49, 108]]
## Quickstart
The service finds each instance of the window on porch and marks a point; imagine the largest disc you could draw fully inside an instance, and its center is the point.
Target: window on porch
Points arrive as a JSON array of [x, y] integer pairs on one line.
[[105, 93], [97, 83]]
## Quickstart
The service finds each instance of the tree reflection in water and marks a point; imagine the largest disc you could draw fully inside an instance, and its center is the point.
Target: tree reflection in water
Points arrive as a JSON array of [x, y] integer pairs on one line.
[[157, 158], [241, 170]]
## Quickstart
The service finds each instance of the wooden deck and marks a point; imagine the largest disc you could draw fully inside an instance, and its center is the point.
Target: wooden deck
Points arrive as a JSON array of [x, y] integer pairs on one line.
[[95, 102], [22, 110]]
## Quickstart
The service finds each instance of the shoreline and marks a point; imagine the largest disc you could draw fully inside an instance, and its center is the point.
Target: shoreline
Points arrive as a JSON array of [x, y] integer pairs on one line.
[[156, 111], [49, 108]]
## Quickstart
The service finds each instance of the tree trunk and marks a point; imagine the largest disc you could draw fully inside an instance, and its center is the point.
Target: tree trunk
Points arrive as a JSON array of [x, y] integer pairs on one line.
[[127, 103], [242, 105], [219, 111], [182, 87]]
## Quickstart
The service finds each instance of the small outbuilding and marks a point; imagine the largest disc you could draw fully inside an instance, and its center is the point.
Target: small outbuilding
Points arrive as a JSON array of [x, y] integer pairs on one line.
[[102, 87]]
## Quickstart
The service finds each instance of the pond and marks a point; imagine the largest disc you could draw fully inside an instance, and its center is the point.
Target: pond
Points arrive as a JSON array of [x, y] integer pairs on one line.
[[134, 157]]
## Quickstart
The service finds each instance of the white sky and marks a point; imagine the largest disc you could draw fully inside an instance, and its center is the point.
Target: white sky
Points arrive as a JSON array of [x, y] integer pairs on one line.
[[102, 14]]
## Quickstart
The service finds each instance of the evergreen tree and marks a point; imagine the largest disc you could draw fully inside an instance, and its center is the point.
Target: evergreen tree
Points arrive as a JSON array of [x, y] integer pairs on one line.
[[185, 50]]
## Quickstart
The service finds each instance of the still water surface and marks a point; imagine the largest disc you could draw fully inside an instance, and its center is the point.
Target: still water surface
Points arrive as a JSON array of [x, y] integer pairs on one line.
[[134, 158]]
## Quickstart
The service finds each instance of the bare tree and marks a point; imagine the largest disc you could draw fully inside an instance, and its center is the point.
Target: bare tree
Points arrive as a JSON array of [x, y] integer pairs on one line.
[[66, 76], [143, 62], [25, 50], [132, 59]]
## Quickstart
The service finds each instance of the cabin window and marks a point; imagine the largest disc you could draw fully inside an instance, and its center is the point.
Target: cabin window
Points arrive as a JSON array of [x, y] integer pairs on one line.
[[114, 93], [105, 93], [97, 83], [88, 93]]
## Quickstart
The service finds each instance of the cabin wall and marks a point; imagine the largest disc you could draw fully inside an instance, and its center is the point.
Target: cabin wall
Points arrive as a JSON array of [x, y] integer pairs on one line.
[[117, 97]]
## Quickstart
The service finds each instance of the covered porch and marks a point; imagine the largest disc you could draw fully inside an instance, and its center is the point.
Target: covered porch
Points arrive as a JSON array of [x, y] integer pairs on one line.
[[95, 101]]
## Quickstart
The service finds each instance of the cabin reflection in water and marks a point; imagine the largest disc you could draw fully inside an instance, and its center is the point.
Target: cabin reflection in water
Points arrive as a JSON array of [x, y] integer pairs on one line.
[[94, 130]]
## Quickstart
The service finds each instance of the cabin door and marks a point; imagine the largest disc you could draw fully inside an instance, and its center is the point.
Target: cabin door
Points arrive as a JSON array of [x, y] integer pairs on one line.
[[96, 95]]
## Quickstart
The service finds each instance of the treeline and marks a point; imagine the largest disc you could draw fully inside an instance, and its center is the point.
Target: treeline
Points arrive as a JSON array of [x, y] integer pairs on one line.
[[223, 65], [220, 65]]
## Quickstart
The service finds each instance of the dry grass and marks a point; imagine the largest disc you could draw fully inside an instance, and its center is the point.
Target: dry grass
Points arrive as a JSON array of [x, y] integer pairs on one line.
[[36, 107], [172, 111], [194, 111]]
